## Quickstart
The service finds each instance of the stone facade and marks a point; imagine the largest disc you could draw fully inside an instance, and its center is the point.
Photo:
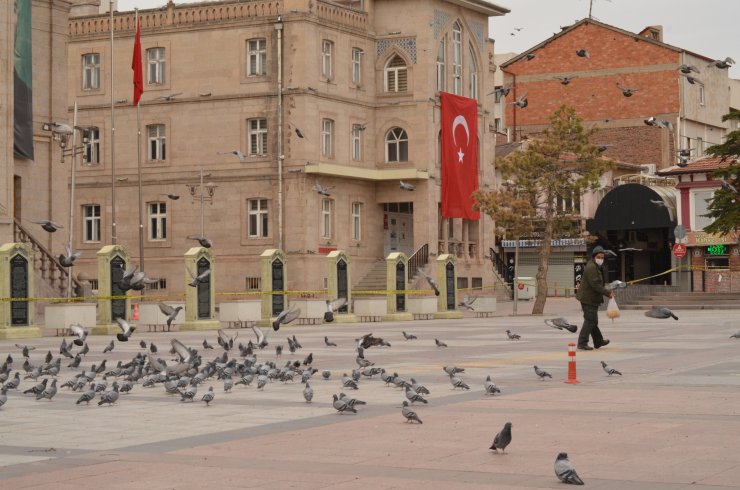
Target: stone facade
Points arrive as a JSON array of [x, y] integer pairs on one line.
[[206, 50]]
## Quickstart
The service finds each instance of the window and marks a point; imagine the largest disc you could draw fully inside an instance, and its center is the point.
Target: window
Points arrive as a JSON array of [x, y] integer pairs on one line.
[[256, 57], [327, 49], [156, 63], [253, 283], [157, 221], [441, 62], [396, 146], [326, 218], [357, 130], [699, 146], [91, 152], [356, 221], [473, 81], [702, 100], [91, 215], [570, 204], [701, 207], [497, 124], [91, 71], [158, 284], [357, 66], [396, 76], [258, 218], [157, 142], [327, 131], [497, 93], [457, 59], [257, 136]]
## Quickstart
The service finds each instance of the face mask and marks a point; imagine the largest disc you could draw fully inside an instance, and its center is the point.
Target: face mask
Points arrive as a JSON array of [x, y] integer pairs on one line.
[[599, 262]]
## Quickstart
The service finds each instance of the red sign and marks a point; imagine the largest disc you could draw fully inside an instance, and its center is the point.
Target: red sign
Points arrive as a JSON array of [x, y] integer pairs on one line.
[[326, 250], [679, 250], [521, 286]]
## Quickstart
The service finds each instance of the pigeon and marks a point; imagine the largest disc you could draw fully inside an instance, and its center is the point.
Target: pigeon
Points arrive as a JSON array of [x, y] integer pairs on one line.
[[617, 284], [49, 391], [68, 260], [409, 414], [111, 396], [467, 302], [341, 406], [326, 374], [228, 384], [561, 324], [38, 389], [206, 345], [3, 396], [659, 203], [142, 344], [126, 330], [501, 91], [583, 53], [87, 396], [14, 383], [109, 347], [687, 69], [308, 393], [308, 360], [512, 335], [48, 225], [627, 92], [202, 241], [348, 382], [609, 370], [134, 280], [722, 64], [367, 341], [692, 80], [299, 133], [189, 393], [332, 306], [323, 191], [564, 80], [413, 396], [25, 350], [653, 121], [439, 343], [208, 397], [170, 312], [296, 343], [521, 101], [328, 342], [502, 439], [225, 341], [261, 338], [727, 186], [736, 335], [286, 316], [541, 373], [261, 382], [420, 389], [431, 282], [201, 278], [405, 186], [169, 97], [409, 336], [458, 383], [660, 312], [491, 387], [565, 471], [351, 401], [278, 350], [241, 156]]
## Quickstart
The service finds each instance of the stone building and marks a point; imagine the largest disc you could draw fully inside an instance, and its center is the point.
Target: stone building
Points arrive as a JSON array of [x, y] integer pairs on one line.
[[270, 100]]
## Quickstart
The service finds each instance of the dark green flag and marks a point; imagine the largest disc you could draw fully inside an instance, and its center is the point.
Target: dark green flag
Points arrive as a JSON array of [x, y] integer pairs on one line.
[[23, 83]]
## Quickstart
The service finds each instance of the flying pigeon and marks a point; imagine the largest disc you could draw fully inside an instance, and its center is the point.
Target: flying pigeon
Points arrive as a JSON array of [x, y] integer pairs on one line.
[[561, 324], [467, 302], [736, 335], [609, 370], [512, 335], [202, 241], [261, 338], [727, 186], [48, 225], [409, 336], [169, 97], [688, 69], [324, 191], [542, 373], [502, 439], [564, 80], [653, 121], [69, 259], [201, 278], [565, 471], [721, 64], [409, 414], [692, 80], [170, 313], [286, 316], [329, 343], [431, 282], [299, 133], [25, 349], [80, 331], [501, 91], [308, 393], [208, 397], [109, 347], [583, 53], [126, 330], [617, 284], [439, 343], [241, 156], [406, 186], [627, 92], [660, 312], [332, 306], [491, 387], [521, 101]]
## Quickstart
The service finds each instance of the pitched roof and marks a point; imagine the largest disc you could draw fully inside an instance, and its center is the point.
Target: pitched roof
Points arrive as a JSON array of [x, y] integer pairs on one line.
[[704, 164]]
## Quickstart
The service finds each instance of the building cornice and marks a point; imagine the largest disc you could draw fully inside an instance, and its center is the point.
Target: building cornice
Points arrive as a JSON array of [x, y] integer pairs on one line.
[[372, 174], [482, 7]]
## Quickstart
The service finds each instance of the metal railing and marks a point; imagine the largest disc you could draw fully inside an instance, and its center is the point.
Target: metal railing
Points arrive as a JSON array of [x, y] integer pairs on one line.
[[418, 260]]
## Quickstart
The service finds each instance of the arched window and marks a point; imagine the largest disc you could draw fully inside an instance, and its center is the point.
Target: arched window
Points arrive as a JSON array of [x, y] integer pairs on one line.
[[396, 146], [441, 62], [396, 76], [473, 80], [457, 68]]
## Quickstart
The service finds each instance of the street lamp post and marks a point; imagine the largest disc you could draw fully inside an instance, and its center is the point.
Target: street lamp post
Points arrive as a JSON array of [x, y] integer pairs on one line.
[[199, 191]]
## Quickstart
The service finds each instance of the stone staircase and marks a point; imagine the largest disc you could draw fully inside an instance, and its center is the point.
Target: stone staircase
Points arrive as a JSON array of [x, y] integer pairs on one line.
[[375, 279], [681, 301]]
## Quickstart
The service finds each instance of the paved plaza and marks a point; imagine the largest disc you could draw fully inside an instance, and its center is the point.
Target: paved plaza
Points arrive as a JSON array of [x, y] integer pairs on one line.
[[670, 422]]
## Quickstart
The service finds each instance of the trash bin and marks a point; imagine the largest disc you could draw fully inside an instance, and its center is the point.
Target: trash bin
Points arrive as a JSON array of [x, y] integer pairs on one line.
[[525, 288]]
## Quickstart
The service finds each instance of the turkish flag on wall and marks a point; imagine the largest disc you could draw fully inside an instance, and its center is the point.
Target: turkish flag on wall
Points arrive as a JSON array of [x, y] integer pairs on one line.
[[136, 65], [459, 156]]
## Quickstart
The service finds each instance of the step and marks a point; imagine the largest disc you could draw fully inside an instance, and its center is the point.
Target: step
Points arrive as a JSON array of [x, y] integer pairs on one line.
[[668, 302], [709, 306]]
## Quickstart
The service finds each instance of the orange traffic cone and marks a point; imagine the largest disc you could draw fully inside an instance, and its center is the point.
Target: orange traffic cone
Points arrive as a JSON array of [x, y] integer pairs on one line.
[[572, 378], [136, 311]]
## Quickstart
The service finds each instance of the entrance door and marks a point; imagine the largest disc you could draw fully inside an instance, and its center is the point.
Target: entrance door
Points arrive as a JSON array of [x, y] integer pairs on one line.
[[398, 228]]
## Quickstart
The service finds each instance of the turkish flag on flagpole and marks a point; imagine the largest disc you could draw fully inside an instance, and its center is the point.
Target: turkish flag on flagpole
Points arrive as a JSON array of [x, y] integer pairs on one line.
[[459, 156], [136, 64]]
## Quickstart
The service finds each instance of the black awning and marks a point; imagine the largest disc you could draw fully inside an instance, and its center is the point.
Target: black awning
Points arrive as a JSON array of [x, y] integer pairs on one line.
[[629, 207]]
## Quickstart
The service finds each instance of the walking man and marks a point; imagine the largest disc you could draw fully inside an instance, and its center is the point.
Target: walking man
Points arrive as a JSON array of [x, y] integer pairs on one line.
[[590, 294]]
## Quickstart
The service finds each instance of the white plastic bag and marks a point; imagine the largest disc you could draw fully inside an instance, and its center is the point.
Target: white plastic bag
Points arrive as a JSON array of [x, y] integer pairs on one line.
[[612, 310]]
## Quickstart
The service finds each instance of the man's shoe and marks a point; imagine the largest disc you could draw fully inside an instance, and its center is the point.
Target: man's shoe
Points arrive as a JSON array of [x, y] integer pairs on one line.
[[602, 343], [585, 347]]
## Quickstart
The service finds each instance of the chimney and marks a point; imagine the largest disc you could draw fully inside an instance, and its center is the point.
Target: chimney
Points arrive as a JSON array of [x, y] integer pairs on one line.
[[653, 32]]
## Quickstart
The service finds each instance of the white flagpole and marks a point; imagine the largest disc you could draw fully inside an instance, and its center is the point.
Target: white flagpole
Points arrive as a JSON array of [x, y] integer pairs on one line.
[[138, 161], [112, 136]]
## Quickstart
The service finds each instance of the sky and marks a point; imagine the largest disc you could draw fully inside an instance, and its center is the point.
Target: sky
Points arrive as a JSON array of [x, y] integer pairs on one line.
[[707, 27]]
